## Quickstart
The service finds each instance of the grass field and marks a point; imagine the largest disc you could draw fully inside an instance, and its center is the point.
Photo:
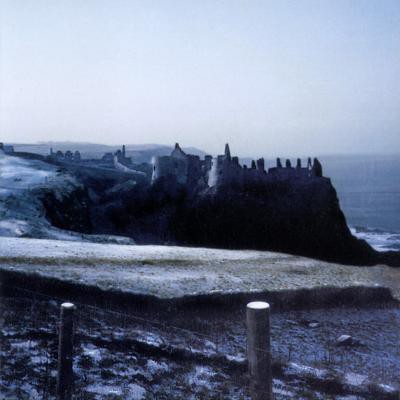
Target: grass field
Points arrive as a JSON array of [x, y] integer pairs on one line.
[[171, 272]]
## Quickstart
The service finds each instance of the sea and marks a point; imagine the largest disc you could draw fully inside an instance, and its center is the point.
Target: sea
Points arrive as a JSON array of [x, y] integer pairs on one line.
[[368, 188]]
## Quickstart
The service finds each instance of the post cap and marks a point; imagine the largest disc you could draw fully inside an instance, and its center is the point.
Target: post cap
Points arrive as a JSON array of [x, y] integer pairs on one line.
[[258, 305]]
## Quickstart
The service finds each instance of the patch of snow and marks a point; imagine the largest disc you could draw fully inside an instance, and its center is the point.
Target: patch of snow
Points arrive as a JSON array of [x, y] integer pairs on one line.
[[22, 214], [136, 391], [388, 388], [64, 249], [21, 211], [92, 351], [123, 168], [150, 338], [24, 345], [237, 358], [40, 359], [279, 388], [201, 376], [33, 393], [104, 390], [304, 369], [355, 379], [172, 271], [155, 367]]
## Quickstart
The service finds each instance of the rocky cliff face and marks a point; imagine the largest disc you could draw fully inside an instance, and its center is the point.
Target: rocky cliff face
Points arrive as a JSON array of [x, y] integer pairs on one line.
[[69, 212], [298, 217]]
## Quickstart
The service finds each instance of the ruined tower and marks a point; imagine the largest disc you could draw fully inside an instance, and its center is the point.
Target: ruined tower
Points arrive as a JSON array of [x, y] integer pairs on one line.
[[317, 168], [227, 152]]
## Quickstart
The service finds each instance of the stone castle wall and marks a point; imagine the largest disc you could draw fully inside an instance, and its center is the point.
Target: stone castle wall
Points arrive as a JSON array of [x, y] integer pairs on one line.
[[225, 170]]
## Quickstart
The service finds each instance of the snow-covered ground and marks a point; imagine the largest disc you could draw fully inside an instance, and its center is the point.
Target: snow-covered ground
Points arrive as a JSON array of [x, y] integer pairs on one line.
[[171, 271], [187, 355], [22, 214]]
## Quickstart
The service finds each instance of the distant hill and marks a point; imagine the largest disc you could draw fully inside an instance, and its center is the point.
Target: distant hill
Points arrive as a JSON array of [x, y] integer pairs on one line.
[[138, 152]]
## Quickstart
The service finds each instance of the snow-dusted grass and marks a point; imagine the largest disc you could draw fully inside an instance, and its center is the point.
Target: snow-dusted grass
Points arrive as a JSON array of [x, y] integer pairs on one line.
[[109, 363], [22, 214], [21, 182], [170, 271], [62, 250]]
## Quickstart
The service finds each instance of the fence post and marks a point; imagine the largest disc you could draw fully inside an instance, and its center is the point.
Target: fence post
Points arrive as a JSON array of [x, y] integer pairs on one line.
[[259, 350], [65, 349]]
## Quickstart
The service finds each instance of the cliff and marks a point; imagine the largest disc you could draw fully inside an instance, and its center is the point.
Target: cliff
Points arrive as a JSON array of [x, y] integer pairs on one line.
[[301, 217]]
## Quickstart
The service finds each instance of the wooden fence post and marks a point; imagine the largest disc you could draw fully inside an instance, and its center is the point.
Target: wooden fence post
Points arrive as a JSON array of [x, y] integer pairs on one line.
[[259, 350], [65, 352]]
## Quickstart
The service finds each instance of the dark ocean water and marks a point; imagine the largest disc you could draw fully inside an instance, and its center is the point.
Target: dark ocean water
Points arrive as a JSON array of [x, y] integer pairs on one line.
[[369, 193]]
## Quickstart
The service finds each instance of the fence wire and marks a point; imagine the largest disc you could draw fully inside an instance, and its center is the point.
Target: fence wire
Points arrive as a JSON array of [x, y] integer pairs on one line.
[[123, 355], [117, 354]]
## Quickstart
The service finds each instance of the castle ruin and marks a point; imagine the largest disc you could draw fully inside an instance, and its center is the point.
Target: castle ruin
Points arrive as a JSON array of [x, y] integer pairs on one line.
[[186, 168], [225, 169]]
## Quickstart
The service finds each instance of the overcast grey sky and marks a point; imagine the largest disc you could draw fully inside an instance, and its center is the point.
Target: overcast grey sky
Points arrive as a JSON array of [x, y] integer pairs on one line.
[[270, 77]]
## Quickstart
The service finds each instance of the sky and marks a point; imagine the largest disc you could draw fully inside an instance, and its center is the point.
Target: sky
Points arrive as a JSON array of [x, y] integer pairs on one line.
[[270, 77]]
